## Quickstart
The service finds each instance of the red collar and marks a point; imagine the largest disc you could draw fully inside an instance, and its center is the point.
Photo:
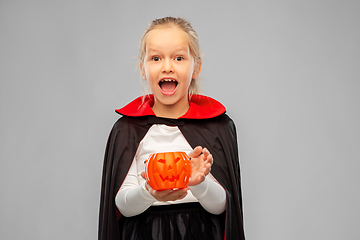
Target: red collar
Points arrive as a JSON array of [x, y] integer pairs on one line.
[[201, 107]]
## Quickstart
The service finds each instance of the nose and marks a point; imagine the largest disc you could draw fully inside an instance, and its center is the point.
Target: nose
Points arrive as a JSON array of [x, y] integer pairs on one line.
[[167, 66]]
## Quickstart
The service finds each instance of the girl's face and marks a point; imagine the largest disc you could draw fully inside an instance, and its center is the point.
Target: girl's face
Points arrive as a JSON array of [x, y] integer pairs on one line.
[[168, 67]]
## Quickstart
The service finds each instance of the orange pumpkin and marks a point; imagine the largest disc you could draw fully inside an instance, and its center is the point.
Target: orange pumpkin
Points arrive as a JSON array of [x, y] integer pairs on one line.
[[168, 170]]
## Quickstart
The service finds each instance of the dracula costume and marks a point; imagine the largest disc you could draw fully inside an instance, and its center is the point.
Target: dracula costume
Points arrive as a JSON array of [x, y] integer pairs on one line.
[[204, 124]]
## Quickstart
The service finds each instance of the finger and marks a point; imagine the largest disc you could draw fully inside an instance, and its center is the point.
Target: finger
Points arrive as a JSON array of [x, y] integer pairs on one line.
[[159, 194], [143, 174], [207, 169], [208, 156], [196, 152], [206, 152], [210, 159], [164, 193], [177, 194], [172, 195]]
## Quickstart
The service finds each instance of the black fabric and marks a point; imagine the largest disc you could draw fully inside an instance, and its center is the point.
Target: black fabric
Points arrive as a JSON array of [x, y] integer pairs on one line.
[[186, 221], [217, 134]]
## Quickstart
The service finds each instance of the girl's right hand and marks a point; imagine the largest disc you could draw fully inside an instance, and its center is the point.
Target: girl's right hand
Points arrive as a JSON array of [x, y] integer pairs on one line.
[[166, 195]]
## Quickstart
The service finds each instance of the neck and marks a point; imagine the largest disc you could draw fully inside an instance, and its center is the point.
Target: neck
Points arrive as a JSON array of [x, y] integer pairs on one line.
[[170, 111]]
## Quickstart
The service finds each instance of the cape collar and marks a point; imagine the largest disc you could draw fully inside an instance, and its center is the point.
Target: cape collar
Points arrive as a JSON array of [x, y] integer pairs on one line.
[[201, 107]]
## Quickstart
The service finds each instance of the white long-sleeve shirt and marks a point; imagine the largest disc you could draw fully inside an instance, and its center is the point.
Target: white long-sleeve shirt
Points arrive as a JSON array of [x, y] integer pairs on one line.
[[132, 197]]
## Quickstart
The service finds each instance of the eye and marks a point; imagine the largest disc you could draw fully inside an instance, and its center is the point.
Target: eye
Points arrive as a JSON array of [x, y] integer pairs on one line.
[[161, 161], [179, 58], [155, 59]]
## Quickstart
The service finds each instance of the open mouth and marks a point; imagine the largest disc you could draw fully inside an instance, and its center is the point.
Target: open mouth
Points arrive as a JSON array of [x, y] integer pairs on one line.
[[168, 85], [172, 179]]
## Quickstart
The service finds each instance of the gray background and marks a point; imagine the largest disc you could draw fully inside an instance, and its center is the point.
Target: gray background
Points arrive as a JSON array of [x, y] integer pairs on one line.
[[287, 71]]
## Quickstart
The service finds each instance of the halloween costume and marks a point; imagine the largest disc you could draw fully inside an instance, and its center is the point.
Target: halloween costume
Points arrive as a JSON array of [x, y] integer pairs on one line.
[[133, 198], [204, 124]]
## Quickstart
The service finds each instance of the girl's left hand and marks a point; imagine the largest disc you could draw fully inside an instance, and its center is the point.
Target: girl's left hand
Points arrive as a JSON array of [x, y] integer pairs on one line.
[[166, 195], [201, 161]]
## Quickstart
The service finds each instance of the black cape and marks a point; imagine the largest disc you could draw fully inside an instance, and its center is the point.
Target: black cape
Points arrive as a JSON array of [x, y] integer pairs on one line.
[[218, 134]]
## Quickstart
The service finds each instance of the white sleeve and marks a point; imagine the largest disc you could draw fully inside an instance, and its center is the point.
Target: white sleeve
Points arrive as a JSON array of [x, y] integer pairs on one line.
[[211, 195], [132, 198]]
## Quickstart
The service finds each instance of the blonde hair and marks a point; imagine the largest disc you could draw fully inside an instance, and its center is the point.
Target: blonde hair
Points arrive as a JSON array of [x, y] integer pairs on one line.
[[191, 35]]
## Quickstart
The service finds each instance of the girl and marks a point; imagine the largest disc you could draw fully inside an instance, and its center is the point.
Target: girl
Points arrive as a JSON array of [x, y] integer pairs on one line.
[[172, 118]]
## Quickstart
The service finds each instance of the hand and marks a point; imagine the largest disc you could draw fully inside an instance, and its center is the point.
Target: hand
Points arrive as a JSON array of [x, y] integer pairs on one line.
[[166, 195], [200, 165]]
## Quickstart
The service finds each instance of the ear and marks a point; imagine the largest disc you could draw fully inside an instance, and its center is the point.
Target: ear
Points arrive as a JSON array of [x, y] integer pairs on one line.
[[197, 69], [142, 69]]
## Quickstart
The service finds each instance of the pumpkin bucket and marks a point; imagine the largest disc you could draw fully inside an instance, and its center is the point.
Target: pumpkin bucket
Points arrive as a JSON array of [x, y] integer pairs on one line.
[[168, 170]]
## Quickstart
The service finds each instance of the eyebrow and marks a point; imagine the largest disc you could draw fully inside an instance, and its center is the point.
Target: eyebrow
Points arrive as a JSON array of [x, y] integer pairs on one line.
[[155, 49]]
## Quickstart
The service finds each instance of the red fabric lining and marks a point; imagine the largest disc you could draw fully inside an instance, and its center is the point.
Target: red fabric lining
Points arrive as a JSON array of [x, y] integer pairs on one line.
[[201, 107]]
